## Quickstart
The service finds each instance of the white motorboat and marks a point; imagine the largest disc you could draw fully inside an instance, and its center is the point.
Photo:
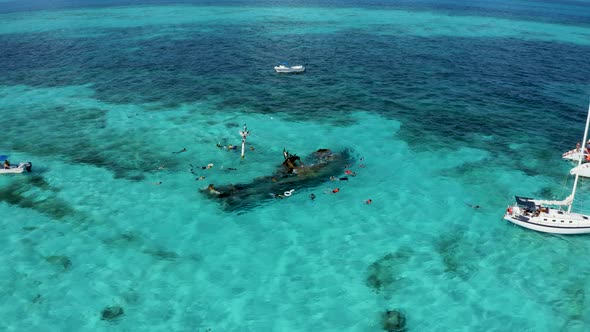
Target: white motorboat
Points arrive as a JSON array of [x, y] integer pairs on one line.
[[284, 68], [539, 216], [27, 166]]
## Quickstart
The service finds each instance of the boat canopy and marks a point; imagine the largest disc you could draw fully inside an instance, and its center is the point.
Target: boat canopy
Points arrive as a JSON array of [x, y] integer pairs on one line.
[[525, 202]]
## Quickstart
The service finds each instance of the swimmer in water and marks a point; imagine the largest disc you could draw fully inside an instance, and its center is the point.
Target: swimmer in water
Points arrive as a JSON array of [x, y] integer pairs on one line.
[[312, 196], [183, 150]]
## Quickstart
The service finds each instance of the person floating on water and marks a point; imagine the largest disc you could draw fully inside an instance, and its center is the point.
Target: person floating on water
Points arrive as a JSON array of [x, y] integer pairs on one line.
[[212, 190], [208, 166], [183, 150], [349, 172]]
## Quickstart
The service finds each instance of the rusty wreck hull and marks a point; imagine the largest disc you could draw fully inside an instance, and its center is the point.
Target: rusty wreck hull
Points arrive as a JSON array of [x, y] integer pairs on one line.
[[318, 169]]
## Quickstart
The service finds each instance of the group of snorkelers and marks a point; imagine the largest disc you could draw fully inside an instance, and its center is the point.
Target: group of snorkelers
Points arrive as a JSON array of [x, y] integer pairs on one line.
[[230, 147], [211, 187]]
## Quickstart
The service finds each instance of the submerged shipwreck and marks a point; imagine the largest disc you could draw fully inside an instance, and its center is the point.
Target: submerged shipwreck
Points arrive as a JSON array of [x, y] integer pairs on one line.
[[293, 174]]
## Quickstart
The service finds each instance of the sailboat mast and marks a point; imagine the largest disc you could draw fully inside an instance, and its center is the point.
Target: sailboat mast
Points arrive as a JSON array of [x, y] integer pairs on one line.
[[583, 148]]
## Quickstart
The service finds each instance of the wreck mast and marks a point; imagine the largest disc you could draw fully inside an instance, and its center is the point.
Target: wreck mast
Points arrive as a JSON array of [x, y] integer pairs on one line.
[[244, 133]]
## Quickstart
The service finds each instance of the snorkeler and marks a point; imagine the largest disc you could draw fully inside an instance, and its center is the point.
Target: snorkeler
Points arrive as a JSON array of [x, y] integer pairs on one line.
[[183, 150], [212, 190], [209, 165]]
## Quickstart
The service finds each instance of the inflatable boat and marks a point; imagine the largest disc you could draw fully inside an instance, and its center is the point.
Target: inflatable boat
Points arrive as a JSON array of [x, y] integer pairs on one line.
[[15, 169]]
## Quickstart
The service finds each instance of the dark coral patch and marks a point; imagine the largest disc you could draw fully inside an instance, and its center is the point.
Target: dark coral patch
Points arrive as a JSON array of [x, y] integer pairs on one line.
[[112, 312], [382, 274], [393, 321], [457, 259], [61, 261], [17, 193]]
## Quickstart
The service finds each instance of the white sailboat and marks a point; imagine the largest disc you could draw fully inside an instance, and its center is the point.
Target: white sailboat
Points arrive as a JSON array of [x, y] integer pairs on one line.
[[539, 216]]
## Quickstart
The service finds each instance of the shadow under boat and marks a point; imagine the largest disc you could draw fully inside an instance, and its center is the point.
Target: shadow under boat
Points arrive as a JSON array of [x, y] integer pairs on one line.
[[292, 174]]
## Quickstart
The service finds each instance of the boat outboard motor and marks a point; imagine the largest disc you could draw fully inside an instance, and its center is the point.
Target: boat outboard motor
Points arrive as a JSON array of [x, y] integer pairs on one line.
[[28, 166]]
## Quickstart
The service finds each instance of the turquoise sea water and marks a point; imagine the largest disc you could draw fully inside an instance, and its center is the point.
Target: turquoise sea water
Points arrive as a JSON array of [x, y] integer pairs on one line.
[[445, 105]]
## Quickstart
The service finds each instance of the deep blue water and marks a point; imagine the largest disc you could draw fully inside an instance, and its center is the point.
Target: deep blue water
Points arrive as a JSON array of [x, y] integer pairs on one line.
[[447, 88], [566, 11]]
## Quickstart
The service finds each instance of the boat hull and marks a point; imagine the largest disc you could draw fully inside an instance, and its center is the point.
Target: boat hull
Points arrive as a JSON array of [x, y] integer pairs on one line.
[[581, 170], [558, 222], [293, 69]]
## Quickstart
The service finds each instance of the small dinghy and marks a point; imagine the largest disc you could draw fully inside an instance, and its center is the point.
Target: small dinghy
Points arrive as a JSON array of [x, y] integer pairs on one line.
[[285, 68], [12, 169]]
